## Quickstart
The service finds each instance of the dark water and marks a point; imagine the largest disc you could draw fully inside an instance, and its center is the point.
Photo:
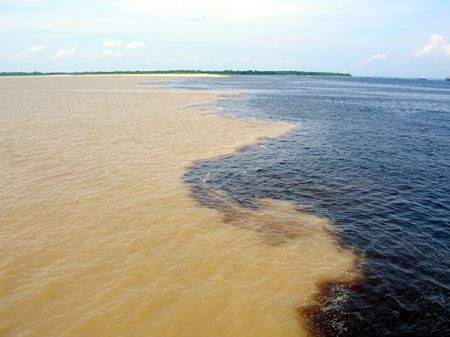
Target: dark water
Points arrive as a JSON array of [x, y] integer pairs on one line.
[[373, 155]]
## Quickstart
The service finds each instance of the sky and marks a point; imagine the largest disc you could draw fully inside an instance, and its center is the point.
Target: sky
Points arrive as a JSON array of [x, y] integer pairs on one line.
[[397, 38]]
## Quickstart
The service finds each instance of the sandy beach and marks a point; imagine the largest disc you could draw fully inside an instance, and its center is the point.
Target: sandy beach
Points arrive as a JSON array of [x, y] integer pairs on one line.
[[100, 236]]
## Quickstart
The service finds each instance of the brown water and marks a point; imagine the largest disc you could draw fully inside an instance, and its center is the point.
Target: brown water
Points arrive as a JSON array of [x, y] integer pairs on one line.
[[99, 236]]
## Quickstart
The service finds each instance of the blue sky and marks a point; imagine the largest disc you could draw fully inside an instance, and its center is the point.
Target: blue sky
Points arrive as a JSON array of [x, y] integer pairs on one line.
[[364, 37]]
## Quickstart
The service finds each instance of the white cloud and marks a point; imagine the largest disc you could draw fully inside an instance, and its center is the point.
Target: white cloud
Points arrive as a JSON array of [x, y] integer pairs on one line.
[[33, 49], [135, 44], [112, 53], [112, 43], [26, 52], [377, 57], [436, 40], [382, 56], [65, 53]]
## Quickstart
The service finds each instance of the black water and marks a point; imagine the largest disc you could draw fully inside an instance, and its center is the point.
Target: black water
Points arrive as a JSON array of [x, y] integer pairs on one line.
[[371, 154]]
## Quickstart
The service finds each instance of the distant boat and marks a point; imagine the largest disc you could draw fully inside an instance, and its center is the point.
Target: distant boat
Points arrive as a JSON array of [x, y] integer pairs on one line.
[[447, 78]]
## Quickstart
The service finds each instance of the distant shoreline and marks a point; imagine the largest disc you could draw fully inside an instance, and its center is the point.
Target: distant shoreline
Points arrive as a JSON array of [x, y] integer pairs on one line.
[[178, 73]]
